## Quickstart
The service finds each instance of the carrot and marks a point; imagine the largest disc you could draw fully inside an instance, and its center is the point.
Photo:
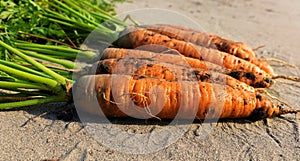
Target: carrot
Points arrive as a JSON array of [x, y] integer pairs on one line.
[[250, 78], [167, 57], [139, 68], [139, 37], [146, 98], [209, 40]]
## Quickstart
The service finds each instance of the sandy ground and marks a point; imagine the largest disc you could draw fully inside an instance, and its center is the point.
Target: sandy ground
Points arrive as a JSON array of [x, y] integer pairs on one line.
[[39, 133]]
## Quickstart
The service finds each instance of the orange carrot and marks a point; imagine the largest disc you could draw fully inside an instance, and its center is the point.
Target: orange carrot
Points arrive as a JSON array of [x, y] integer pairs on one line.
[[168, 57], [139, 68], [188, 100], [209, 40], [250, 78], [139, 37]]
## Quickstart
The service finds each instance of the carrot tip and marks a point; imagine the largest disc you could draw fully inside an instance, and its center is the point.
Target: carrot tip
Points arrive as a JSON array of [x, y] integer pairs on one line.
[[289, 111], [272, 97], [292, 78], [259, 47], [279, 61]]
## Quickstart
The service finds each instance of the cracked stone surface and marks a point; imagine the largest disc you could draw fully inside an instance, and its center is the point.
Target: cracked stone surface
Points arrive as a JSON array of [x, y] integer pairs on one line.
[[41, 133]]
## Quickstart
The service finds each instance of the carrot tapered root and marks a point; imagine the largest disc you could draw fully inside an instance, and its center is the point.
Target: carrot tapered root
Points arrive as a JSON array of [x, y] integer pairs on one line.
[[272, 97], [292, 78], [289, 111], [259, 47], [279, 61]]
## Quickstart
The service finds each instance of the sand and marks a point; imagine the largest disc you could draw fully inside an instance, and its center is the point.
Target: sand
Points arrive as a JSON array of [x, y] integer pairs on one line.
[[38, 132]]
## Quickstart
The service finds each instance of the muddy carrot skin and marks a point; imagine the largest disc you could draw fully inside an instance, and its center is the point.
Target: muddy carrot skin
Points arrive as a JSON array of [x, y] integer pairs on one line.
[[205, 100], [250, 78], [140, 68], [209, 40], [136, 37], [205, 39]]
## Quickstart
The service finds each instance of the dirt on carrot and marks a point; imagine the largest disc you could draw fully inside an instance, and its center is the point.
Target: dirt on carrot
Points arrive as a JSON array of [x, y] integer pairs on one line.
[[172, 57], [238, 49], [136, 98], [136, 37], [142, 68]]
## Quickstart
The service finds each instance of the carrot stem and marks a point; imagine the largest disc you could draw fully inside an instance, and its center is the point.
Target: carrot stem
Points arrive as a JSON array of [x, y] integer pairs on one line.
[[58, 77], [50, 59], [73, 24], [51, 53], [31, 77], [16, 85], [40, 47], [22, 68], [76, 13], [11, 105]]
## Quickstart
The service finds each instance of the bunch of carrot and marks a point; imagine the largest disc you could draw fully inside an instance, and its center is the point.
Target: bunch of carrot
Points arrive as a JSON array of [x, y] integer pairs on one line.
[[201, 75], [148, 71]]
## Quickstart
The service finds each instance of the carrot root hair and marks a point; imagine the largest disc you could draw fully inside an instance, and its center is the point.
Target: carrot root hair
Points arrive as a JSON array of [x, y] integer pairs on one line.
[[259, 47], [273, 97], [279, 61], [292, 78], [145, 104], [289, 111], [132, 95], [285, 82], [110, 101]]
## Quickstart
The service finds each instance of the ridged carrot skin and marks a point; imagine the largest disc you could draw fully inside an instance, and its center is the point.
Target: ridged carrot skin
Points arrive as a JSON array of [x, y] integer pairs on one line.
[[136, 37], [207, 100], [209, 40], [205, 39], [141, 68], [250, 78]]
